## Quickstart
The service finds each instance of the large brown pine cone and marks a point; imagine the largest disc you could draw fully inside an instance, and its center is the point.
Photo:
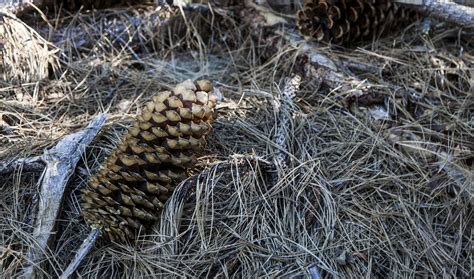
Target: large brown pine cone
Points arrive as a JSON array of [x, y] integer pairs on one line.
[[349, 21], [130, 189]]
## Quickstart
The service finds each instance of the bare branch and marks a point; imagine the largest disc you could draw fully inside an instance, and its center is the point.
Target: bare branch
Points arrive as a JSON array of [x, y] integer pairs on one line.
[[81, 253], [61, 161], [446, 11]]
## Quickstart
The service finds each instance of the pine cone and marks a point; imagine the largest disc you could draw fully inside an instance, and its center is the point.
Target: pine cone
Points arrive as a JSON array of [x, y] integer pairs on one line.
[[130, 190], [348, 21]]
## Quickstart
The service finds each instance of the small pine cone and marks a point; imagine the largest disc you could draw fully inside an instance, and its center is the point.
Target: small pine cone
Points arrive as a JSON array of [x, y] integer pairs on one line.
[[349, 21], [130, 189]]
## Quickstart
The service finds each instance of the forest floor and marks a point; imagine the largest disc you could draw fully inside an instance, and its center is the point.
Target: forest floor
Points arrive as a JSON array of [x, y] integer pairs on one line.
[[377, 182]]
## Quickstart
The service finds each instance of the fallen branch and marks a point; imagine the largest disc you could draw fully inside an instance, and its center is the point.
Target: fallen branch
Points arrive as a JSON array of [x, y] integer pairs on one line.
[[445, 11], [81, 253], [292, 37], [32, 164], [61, 161]]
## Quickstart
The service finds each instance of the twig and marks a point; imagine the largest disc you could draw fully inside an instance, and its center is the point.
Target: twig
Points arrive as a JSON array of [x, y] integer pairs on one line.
[[60, 161], [270, 18], [192, 7], [292, 37], [81, 253], [31, 164]]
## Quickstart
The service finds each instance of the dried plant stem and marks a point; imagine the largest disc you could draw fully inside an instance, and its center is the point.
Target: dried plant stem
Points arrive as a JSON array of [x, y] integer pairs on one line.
[[81, 253], [60, 161]]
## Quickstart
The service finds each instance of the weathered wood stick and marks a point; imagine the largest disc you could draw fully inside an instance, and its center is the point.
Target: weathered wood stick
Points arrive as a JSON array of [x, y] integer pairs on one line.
[[81, 253], [283, 104], [444, 10], [61, 161], [469, 3]]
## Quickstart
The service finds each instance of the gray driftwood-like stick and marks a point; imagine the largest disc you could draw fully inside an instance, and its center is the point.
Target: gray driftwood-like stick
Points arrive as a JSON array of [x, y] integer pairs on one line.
[[444, 10], [81, 253], [61, 161], [292, 37], [30, 164]]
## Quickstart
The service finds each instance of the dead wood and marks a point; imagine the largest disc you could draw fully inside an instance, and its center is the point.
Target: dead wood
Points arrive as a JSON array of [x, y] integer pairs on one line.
[[445, 11], [61, 162], [31, 164], [81, 253]]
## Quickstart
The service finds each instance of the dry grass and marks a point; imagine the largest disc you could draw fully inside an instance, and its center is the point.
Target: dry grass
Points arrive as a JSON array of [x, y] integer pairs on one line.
[[25, 55], [359, 196]]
